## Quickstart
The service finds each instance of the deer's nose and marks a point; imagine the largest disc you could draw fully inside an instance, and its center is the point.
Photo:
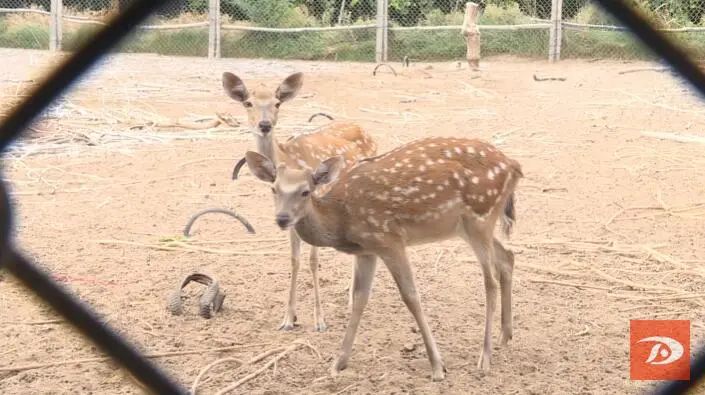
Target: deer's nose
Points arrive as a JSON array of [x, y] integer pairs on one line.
[[283, 220], [265, 126]]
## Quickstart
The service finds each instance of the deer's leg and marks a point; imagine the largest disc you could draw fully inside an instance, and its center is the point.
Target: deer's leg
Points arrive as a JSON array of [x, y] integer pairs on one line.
[[319, 321], [364, 272], [504, 260], [350, 286], [290, 315], [482, 243], [398, 265]]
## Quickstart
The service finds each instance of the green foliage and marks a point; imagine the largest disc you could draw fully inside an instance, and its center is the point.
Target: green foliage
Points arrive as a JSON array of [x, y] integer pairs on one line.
[[274, 13], [359, 45], [30, 35]]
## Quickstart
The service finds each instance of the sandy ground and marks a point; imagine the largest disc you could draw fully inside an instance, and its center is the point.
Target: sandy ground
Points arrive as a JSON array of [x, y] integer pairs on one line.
[[610, 226]]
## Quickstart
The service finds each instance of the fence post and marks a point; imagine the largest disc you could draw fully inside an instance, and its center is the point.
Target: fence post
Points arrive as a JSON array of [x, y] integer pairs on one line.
[[382, 28], [56, 9], [556, 36], [213, 29], [472, 34]]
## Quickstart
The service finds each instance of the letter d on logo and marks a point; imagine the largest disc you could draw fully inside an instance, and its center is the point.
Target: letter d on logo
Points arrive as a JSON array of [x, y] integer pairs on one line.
[[659, 349]]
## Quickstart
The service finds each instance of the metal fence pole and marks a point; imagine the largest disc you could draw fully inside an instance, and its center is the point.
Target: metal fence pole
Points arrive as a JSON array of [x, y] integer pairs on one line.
[[213, 29], [56, 8], [555, 37], [382, 31]]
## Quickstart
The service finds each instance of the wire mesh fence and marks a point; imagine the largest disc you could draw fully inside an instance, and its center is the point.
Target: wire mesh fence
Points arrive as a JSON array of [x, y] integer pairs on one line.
[[590, 32], [354, 30]]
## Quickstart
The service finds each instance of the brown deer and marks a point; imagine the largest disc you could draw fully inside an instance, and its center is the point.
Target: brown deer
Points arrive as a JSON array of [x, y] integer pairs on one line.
[[303, 152], [425, 191]]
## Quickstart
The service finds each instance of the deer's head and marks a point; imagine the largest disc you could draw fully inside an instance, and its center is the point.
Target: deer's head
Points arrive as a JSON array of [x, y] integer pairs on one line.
[[262, 104], [292, 188]]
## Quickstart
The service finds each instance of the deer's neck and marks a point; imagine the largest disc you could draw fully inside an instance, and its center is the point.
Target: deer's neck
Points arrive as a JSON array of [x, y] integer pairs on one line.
[[321, 225], [267, 146]]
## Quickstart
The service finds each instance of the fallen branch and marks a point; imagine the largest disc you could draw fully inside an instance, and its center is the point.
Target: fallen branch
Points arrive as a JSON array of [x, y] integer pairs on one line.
[[269, 364], [167, 354], [210, 366], [45, 322], [681, 138], [579, 286], [656, 69], [540, 79]]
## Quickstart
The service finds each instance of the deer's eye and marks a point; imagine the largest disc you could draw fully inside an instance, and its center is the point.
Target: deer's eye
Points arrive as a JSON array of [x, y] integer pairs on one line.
[[278, 104], [305, 193], [274, 190], [247, 104]]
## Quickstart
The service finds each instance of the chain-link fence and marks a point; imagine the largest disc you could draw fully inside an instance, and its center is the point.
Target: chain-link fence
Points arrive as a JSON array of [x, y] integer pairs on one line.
[[589, 32], [355, 30]]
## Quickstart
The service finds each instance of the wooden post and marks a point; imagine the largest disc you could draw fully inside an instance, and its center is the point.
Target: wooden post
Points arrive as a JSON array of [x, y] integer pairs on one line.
[[213, 29], [381, 46], [56, 9], [556, 35], [472, 34]]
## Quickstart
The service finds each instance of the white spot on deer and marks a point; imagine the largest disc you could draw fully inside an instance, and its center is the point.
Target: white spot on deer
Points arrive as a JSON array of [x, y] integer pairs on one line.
[[448, 154], [422, 168], [456, 176], [301, 163], [475, 180], [470, 150], [418, 179], [458, 150], [429, 162], [372, 220], [481, 198], [490, 174], [440, 187]]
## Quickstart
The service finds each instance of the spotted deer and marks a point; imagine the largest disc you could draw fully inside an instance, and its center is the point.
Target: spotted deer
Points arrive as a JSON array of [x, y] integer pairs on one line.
[[425, 191], [303, 152]]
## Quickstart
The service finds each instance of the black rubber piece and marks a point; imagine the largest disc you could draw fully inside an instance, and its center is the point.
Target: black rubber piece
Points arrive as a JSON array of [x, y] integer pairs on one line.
[[243, 221]]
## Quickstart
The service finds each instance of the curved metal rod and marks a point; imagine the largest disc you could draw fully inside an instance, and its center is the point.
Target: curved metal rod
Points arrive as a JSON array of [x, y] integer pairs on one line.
[[322, 114], [238, 166], [243, 221], [374, 72]]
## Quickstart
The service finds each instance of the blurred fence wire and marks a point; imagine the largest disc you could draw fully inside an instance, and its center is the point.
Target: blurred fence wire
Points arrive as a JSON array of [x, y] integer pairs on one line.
[[356, 30]]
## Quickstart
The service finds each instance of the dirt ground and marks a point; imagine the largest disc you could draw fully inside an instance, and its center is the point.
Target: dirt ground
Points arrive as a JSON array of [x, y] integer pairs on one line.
[[610, 226]]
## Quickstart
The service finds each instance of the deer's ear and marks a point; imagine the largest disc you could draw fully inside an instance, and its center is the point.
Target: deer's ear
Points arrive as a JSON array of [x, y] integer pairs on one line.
[[234, 87], [328, 170], [261, 166], [288, 89]]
